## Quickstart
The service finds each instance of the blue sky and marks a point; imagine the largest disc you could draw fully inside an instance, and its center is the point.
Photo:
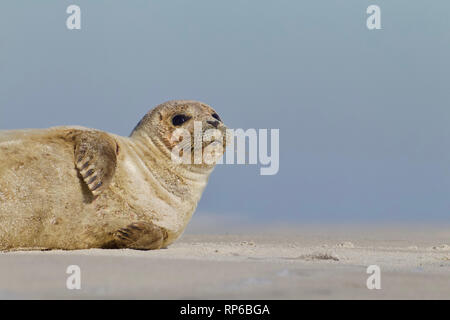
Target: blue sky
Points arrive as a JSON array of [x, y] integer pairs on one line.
[[363, 115]]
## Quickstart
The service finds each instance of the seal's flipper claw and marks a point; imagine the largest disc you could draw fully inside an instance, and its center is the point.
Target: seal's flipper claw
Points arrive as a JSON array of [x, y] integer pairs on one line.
[[95, 159], [140, 236]]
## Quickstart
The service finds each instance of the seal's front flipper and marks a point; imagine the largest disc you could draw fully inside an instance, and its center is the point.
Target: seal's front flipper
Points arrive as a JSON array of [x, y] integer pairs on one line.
[[140, 236], [95, 159]]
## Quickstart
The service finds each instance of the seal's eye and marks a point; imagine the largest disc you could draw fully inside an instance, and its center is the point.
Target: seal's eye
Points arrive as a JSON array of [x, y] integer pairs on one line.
[[179, 119], [216, 116]]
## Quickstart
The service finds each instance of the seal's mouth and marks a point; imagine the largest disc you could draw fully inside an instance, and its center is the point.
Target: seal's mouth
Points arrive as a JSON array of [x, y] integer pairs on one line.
[[209, 144], [214, 144], [214, 137]]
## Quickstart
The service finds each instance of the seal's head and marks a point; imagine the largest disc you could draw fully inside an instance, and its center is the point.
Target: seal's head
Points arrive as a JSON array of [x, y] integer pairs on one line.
[[185, 126]]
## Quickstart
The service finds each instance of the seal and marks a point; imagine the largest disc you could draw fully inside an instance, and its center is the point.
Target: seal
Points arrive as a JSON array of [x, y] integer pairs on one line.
[[72, 187]]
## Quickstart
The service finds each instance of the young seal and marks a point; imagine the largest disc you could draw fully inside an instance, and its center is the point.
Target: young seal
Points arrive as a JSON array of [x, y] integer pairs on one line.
[[78, 188]]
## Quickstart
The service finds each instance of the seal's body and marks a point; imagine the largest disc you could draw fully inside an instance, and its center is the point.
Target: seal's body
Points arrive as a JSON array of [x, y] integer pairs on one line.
[[77, 188]]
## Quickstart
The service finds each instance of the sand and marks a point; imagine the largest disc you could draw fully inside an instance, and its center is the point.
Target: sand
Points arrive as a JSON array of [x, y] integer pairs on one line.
[[305, 262]]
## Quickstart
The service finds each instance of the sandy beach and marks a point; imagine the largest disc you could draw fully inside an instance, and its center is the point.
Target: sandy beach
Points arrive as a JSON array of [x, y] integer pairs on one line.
[[309, 262]]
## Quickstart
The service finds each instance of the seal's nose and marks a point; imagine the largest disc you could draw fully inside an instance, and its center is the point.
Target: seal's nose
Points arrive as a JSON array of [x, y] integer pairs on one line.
[[214, 123]]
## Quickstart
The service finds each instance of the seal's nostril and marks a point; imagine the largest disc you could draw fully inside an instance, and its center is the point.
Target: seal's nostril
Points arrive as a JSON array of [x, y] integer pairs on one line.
[[214, 123]]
